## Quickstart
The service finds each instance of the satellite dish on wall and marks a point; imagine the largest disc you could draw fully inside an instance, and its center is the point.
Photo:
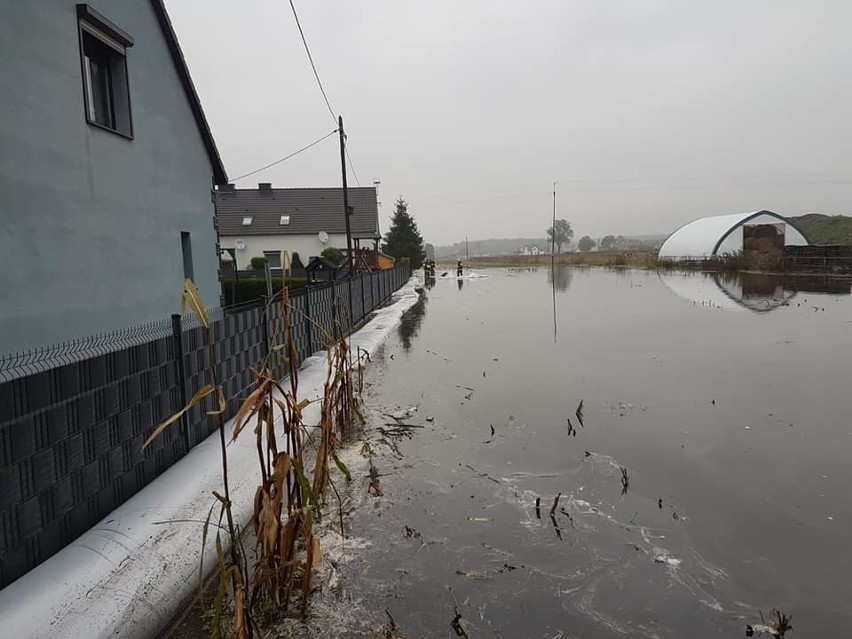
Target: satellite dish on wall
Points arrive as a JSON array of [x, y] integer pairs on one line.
[[240, 245], [323, 237]]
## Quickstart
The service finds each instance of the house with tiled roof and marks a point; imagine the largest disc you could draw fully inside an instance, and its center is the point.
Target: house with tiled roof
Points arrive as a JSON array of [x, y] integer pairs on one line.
[[266, 221]]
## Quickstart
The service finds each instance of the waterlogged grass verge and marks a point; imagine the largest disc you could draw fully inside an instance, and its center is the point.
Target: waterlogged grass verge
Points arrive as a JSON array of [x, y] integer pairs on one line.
[[294, 477]]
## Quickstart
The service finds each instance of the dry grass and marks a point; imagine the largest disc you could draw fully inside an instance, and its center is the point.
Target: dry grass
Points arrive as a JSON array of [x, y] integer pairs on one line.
[[286, 501]]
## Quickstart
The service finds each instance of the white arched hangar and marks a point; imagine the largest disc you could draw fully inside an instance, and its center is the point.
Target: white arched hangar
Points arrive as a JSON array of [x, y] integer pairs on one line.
[[740, 233]]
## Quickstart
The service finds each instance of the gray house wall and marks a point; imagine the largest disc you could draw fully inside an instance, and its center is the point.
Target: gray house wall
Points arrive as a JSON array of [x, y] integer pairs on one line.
[[91, 222]]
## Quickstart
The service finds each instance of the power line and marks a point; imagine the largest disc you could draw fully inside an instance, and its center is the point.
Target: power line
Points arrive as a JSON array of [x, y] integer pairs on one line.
[[352, 167], [285, 158], [311, 59], [319, 83]]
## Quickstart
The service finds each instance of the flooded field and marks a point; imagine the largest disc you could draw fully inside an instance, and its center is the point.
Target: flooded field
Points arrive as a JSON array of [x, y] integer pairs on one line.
[[705, 477]]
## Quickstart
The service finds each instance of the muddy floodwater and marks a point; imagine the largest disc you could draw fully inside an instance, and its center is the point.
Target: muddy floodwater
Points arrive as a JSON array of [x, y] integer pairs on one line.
[[725, 400]]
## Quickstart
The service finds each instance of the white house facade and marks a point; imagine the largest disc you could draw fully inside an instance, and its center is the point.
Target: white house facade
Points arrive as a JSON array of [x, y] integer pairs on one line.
[[266, 221], [307, 246]]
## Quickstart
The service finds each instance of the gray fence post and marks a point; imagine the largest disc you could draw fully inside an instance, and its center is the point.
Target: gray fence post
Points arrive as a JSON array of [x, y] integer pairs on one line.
[[264, 328], [363, 301], [177, 334], [335, 314], [308, 320], [351, 314]]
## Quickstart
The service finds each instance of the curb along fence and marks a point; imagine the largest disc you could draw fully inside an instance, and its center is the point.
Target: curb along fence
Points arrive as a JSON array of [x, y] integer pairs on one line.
[[73, 417]]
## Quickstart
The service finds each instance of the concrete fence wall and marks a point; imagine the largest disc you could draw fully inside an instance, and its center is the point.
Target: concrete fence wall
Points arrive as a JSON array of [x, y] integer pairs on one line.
[[72, 423]]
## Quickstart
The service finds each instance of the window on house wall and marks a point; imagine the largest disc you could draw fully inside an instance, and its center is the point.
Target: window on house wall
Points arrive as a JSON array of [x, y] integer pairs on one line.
[[273, 258], [186, 250], [103, 58]]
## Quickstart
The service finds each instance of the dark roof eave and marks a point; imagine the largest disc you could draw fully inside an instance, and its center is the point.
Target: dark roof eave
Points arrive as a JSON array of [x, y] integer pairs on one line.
[[219, 174]]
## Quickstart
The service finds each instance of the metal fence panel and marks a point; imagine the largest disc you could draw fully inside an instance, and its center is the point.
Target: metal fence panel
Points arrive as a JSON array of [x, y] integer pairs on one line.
[[73, 417]]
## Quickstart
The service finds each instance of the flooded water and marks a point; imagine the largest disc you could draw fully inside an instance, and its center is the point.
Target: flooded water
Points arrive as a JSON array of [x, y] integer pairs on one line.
[[726, 401]]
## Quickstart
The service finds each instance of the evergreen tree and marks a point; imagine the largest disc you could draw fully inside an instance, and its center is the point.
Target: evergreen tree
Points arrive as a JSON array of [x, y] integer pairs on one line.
[[404, 239]]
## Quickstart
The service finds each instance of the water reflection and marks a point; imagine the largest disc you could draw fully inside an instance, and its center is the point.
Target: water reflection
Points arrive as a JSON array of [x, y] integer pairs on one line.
[[757, 292], [559, 277], [461, 283], [429, 282], [411, 320]]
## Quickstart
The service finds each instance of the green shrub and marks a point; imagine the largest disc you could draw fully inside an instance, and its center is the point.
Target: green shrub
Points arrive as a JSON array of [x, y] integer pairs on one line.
[[333, 255], [253, 288], [257, 263]]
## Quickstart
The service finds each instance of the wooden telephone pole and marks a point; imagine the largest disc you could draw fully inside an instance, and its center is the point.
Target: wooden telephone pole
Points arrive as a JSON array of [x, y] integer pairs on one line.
[[346, 212]]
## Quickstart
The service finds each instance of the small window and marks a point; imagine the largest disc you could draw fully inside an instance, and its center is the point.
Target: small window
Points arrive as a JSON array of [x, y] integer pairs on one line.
[[273, 258], [247, 220], [103, 51], [285, 220], [186, 250]]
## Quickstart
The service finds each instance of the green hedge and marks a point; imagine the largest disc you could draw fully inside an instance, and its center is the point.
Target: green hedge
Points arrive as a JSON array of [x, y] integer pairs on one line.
[[251, 289]]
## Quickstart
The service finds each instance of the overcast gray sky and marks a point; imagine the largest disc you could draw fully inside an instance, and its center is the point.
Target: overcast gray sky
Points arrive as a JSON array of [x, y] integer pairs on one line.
[[648, 113]]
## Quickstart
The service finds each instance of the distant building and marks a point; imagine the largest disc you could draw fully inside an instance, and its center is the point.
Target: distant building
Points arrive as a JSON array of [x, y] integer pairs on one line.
[[761, 232], [385, 261], [265, 221], [107, 168]]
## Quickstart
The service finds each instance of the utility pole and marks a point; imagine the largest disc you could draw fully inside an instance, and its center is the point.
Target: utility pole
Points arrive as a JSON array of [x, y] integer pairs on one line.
[[553, 234], [346, 211], [466, 250]]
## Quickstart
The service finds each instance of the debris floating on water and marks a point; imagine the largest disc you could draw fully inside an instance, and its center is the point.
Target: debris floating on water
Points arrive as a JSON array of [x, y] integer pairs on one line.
[[411, 532], [571, 429], [469, 574], [556, 526], [458, 628], [555, 504], [778, 626], [375, 485]]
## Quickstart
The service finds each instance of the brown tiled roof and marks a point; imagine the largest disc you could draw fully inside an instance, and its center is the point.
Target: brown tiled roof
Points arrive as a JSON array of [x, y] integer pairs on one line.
[[311, 210]]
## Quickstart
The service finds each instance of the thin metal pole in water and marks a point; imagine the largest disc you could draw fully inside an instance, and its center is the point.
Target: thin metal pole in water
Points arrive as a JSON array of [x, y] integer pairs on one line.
[[553, 262], [553, 229]]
